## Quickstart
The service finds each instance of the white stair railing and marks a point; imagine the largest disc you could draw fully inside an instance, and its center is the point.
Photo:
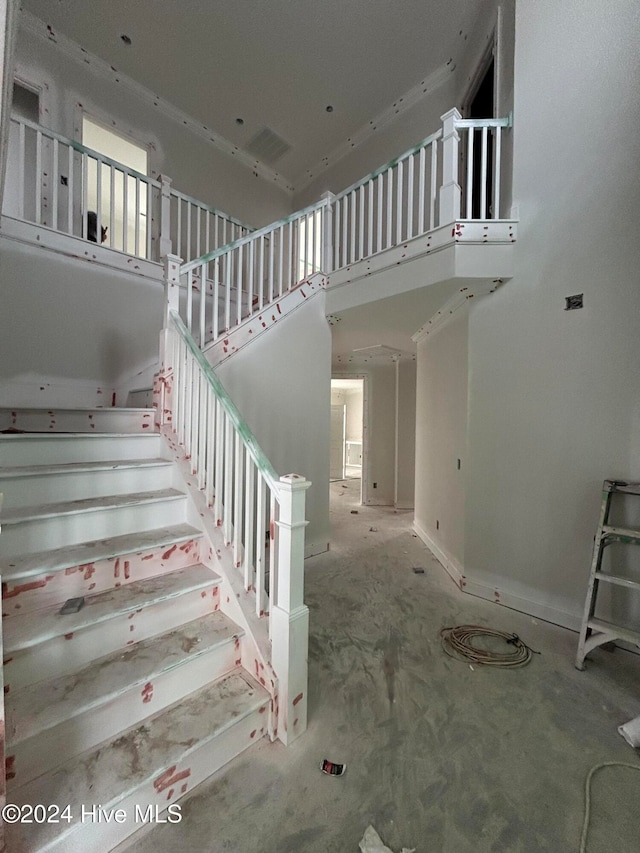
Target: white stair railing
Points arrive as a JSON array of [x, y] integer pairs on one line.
[[392, 204], [261, 515], [58, 183], [482, 147], [407, 197], [229, 284]]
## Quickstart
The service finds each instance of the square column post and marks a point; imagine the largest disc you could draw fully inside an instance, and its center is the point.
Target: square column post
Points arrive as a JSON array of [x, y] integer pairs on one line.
[[289, 615], [163, 381], [449, 197], [165, 216], [327, 233]]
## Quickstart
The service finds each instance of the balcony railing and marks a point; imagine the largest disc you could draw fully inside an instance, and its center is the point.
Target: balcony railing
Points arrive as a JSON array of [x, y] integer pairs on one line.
[[62, 185]]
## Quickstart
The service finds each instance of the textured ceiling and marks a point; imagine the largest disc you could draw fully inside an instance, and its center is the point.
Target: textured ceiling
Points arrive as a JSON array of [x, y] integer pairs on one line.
[[272, 63]]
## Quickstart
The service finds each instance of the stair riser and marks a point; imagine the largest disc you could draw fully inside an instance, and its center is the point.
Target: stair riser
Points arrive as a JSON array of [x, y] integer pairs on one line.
[[77, 420], [34, 593], [45, 750], [32, 490], [40, 534], [94, 837], [61, 655], [58, 449]]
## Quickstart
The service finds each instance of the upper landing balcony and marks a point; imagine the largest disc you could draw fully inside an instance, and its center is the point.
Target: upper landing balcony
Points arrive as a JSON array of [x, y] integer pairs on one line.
[[435, 215]]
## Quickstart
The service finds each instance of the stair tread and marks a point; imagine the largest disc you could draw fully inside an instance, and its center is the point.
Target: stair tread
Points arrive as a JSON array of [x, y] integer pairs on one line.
[[74, 467], [44, 562], [147, 752], [20, 514], [28, 629], [101, 409], [62, 436], [40, 706]]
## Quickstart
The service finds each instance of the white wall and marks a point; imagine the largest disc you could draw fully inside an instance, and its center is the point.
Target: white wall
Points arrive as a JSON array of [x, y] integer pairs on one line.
[[281, 383], [196, 167], [72, 332], [555, 396], [405, 433], [441, 437], [411, 127]]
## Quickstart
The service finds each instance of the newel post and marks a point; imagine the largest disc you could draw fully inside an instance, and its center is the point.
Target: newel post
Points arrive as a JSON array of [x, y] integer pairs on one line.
[[164, 379], [289, 615], [165, 216], [449, 199], [327, 233]]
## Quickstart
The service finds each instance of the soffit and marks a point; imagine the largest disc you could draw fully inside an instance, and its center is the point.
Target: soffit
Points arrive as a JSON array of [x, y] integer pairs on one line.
[[276, 64]]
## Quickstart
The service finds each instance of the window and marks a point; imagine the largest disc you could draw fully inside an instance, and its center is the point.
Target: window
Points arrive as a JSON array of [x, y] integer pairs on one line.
[[120, 197], [309, 244]]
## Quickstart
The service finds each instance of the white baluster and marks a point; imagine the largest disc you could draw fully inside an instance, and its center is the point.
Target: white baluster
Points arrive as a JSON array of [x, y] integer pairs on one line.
[[434, 178], [496, 172], [70, 197], [21, 159], [410, 198], [237, 500], [249, 521], [399, 207], [421, 189], [260, 534], [483, 175]]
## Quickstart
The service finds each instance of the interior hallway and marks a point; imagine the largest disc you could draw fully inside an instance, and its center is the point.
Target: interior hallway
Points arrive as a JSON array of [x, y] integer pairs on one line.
[[439, 757]]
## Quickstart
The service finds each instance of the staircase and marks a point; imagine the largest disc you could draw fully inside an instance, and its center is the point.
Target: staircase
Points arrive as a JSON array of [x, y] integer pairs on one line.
[[137, 697]]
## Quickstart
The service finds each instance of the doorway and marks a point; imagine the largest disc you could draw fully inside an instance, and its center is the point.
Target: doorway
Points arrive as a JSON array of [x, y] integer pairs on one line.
[[480, 105], [347, 458]]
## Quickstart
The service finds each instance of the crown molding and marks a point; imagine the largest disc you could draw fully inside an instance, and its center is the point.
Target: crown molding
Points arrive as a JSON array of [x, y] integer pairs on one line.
[[416, 94], [75, 52], [446, 312]]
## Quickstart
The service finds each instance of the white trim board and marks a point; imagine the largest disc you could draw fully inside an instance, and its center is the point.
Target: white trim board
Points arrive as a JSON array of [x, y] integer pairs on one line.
[[499, 596], [410, 98]]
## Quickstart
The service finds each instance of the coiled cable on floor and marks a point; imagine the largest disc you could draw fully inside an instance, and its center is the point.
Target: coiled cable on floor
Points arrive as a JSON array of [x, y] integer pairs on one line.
[[457, 642], [587, 796]]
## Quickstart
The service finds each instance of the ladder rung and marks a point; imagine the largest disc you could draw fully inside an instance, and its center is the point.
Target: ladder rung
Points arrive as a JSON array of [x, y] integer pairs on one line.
[[614, 631], [624, 488], [620, 533], [615, 579]]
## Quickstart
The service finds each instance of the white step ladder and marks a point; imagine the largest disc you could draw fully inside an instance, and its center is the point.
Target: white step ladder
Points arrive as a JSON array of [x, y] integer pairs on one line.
[[596, 632]]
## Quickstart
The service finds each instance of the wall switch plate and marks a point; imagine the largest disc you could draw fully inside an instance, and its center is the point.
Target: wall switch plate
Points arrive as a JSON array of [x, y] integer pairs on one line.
[[573, 302]]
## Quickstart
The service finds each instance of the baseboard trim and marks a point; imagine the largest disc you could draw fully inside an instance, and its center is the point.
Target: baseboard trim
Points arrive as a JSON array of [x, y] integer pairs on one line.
[[313, 548], [498, 595]]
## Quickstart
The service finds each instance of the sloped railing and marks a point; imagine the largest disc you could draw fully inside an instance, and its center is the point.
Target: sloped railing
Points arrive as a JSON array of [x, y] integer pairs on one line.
[[58, 183], [421, 190], [229, 284], [260, 515]]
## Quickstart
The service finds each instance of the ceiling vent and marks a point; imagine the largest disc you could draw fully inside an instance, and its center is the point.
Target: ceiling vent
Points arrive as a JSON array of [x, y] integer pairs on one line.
[[267, 146]]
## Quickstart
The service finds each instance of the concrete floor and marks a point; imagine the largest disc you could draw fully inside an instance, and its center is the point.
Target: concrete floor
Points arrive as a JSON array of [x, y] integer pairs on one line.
[[439, 757]]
